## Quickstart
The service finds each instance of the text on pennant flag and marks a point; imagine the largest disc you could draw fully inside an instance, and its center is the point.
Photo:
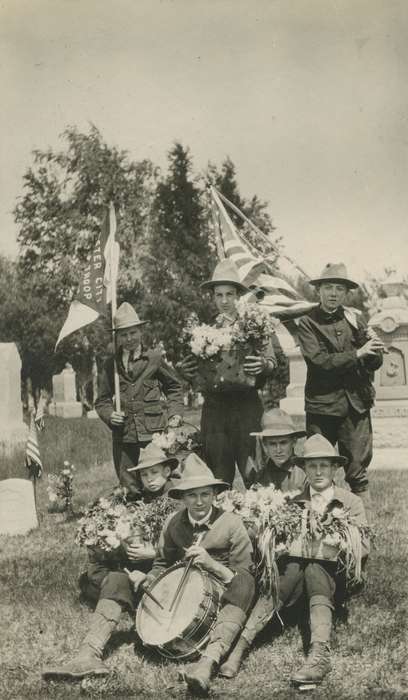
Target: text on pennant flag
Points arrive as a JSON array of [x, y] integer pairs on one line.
[[97, 279]]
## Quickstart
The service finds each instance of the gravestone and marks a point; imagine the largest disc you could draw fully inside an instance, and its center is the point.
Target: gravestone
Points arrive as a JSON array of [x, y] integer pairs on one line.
[[17, 507], [294, 403], [13, 431], [390, 322], [64, 402]]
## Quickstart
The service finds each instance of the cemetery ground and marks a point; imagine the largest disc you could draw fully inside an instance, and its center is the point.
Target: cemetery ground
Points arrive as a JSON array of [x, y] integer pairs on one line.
[[43, 620]]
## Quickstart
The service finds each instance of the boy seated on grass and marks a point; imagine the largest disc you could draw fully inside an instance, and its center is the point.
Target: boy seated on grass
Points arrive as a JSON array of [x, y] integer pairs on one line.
[[316, 578], [107, 582], [275, 461], [217, 542]]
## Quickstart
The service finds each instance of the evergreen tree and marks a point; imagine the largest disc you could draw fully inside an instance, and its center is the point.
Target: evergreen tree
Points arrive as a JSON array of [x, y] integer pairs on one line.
[[179, 256]]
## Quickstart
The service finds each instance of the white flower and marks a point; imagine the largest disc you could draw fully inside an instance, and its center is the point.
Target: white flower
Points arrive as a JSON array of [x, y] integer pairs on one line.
[[228, 506], [122, 530], [66, 464], [338, 513], [281, 547], [112, 541], [333, 540]]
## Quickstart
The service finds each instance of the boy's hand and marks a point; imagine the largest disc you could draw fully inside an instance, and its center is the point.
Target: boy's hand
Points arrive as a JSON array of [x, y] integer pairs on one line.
[[117, 418], [200, 557], [137, 578], [175, 421], [254, 365], [188, 367], [139, 552]]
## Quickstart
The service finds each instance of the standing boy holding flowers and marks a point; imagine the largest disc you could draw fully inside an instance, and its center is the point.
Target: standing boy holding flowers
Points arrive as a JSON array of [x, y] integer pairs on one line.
[[230, 414], [113, 576]]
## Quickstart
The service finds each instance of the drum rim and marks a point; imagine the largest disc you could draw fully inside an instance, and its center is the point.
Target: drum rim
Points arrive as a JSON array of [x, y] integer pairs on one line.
[[213, 590]]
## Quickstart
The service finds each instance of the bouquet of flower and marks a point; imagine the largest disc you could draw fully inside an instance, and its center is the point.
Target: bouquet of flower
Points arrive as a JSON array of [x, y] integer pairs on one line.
[[333, 535], [273, 521], [60, 490], [112, 520], [252, 327], [208, 341], [221, 349], [179, 441]]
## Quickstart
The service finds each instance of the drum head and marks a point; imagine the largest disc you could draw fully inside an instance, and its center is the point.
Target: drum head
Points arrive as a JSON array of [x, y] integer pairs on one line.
[[156, 626]]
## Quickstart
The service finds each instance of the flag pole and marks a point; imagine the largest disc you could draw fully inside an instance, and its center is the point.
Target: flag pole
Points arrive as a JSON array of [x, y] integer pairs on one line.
[[260, 233], [216, 226], [113, 267]]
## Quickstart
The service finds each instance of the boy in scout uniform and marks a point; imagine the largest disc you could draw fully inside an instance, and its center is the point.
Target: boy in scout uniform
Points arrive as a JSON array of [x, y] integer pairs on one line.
[[275, 461], [317, 580], [229, 415], [144, 376], [341, 356]]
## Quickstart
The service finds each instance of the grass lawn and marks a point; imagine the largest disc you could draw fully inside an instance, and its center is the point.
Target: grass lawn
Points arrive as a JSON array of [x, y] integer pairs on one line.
[[42, 620]]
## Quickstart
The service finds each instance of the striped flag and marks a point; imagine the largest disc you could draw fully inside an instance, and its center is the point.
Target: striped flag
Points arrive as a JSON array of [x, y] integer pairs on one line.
[[97, 279], [32, 453], [274, 293]]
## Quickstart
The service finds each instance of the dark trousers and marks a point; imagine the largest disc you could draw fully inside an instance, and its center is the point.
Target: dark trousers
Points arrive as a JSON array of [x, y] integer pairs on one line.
[[315, 579], [354, 437], [100, 582], [226, 421], [240, 592], [126, 454]]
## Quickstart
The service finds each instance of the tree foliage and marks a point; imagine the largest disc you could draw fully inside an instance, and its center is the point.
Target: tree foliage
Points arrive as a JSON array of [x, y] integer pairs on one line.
[[179, 257], [164, 234]]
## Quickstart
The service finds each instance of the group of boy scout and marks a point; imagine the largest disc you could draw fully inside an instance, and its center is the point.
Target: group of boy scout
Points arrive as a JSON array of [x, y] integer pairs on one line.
[[340, 355]]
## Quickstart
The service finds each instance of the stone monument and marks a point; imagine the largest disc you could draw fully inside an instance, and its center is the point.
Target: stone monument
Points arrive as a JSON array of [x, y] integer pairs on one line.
[[17, 507], [13, 431], [390, 322], [294, 403], [64, 402]]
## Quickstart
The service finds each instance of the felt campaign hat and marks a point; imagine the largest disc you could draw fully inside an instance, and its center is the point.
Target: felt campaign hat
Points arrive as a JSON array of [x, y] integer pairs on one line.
[[335, 272], [317, 447], [196, 475], [278, 423], [225, 273], [152, 455], [126, 317]]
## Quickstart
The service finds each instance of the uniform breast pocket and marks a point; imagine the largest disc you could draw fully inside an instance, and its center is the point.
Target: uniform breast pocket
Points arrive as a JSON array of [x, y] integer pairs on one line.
[[151, 391]]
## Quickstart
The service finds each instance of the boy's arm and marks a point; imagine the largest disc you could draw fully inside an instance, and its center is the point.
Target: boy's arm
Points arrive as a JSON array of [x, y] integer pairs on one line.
[[167, 552], [172, 388], [317, 354], [104, 403]]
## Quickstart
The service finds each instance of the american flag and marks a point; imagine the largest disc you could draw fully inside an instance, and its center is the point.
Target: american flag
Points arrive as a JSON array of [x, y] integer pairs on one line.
[[40, 413], [273, 291], [32, 452]]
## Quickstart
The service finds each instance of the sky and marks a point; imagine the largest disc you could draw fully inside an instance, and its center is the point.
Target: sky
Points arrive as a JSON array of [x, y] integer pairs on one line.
[[309, 99]]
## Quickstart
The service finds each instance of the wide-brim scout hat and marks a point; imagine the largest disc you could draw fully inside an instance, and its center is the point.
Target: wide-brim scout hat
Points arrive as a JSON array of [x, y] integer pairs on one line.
[[317, 447], [278, 423], [151, 456], [225, 273], [196, 475], [335, 272], [126, 317]]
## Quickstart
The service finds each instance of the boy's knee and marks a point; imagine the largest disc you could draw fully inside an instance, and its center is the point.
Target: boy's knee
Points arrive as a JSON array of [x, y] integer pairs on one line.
[[321, 600], [116, 586]]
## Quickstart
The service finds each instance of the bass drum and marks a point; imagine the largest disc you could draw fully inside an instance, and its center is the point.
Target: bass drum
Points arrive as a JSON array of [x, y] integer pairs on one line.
[[181, 633]]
